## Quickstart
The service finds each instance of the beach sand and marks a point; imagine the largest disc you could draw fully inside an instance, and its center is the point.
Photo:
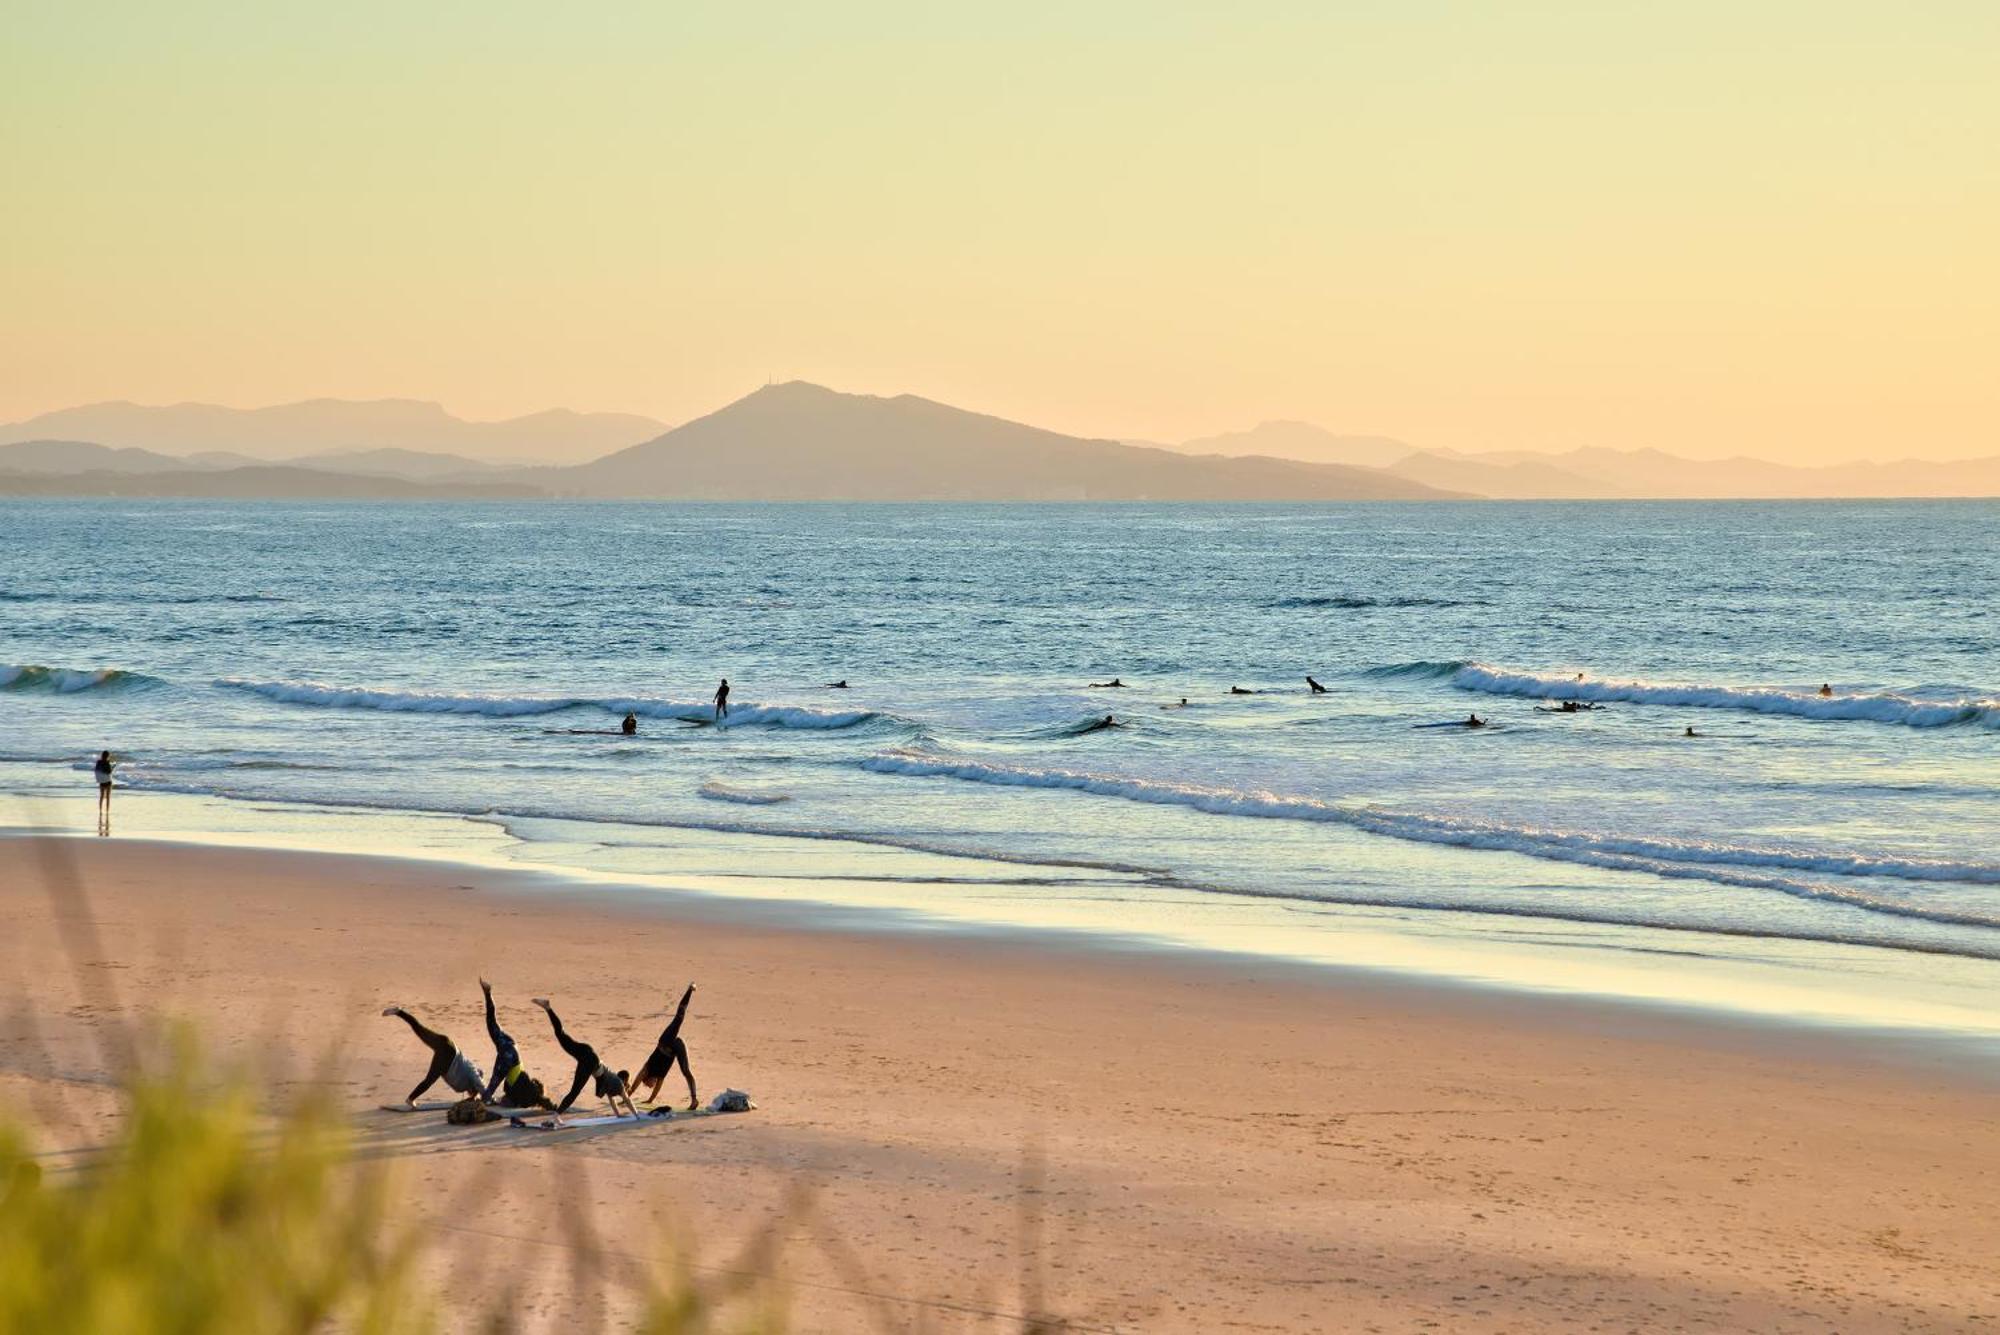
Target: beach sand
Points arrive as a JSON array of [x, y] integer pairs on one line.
[[988, 1126]]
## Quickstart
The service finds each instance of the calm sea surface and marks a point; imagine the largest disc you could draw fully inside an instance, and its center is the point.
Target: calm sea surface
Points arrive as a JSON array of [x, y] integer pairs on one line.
[[476, 659]]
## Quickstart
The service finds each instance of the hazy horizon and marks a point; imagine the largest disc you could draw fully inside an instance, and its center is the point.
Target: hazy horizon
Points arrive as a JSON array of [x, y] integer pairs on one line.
[[1763, 232]]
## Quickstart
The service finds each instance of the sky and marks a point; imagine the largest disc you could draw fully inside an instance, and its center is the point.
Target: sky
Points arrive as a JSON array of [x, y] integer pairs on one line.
[[1711, 228]]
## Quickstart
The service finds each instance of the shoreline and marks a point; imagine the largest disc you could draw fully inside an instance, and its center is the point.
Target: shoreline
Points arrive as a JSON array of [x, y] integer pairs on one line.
[[1810, 991], [1209, 1142]]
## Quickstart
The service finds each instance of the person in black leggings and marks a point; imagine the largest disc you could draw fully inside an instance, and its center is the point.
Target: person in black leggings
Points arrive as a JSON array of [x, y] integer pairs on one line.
[[589, 1066], [522, 1090], [447, 1062], [666, 1052]]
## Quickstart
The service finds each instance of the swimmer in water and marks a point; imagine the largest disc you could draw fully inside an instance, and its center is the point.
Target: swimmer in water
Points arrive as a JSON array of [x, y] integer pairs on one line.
[[630, 727], [1317, 689], [1105, 685]]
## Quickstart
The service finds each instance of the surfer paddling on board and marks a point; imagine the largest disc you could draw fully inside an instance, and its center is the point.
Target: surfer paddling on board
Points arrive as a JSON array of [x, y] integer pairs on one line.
[[1106, 722], [722, 700], [1106, 685], [447, 1062]]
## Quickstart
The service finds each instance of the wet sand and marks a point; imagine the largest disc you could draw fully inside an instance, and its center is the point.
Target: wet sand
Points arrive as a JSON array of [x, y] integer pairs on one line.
[[988, 1126]]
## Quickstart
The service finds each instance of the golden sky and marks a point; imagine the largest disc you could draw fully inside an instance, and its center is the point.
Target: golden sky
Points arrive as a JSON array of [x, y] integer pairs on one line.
[[1763, 227]]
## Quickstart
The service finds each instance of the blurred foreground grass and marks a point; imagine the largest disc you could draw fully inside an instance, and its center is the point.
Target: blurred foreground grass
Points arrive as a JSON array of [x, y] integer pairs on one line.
[[209, 1214]]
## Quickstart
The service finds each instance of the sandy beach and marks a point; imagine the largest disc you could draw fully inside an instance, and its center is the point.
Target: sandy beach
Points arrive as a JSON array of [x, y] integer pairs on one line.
[[988, 1127]]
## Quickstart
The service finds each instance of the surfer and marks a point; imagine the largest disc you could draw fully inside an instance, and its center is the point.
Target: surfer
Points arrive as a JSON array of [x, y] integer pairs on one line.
[[610, 1083], [1690, 732], [1238, 690], [722, 700], [521, 1089], [1826, 690], [1106, 722], [1181, 705], [1474, 721], [1569, 707], [630, 727], [669, 1050], [447, 1062], [1317, 689], [840, 685], [1106, 685]]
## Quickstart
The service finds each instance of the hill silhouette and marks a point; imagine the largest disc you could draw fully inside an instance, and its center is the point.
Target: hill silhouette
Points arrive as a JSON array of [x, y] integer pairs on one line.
[[320, 427], [799, 441]]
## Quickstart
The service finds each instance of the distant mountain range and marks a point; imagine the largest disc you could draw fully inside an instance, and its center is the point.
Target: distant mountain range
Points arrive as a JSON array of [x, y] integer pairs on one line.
[[799, 441], [1605, 474], [324, 427]]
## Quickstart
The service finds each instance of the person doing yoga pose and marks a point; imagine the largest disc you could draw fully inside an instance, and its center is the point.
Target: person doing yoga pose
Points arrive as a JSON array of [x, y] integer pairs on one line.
[[589, 1066], [521, 1090], [668, 1050], [447, 1062]]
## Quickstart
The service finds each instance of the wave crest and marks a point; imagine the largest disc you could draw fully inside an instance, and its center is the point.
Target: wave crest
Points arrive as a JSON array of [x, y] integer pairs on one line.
[[1752, 868], [326, 696], [1883, 707], [65, 681]]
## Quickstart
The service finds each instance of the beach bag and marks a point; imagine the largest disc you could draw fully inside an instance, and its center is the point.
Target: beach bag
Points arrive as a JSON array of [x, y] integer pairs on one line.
[[469, 1112], [731, 1100]]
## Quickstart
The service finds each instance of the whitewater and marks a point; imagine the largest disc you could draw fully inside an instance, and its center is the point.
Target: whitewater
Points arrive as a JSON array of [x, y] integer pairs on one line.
[[1836, 664]]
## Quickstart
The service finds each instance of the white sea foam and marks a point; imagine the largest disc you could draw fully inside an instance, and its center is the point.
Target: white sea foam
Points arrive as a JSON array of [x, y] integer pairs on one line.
[[1718, 863], [327, 696], [716, 791], [1880, 707]]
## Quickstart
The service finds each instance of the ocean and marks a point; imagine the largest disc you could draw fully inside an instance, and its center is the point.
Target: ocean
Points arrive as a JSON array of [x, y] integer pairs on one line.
[[475, 661]]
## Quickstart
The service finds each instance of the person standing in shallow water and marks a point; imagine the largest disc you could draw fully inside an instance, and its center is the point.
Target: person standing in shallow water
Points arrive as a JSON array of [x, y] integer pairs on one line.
[[102, 769], [722, 700]]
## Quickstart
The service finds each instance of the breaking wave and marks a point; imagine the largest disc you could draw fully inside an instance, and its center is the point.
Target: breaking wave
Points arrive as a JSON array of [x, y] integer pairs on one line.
[[1878, 707], [1420, 670], [749, 797], [325, 696], [64, 681], [1725, 864]]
